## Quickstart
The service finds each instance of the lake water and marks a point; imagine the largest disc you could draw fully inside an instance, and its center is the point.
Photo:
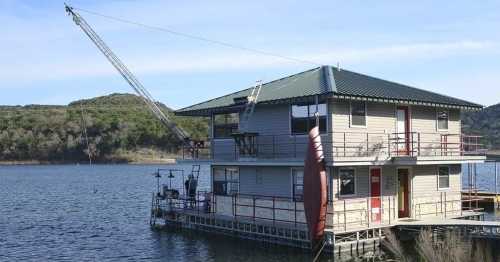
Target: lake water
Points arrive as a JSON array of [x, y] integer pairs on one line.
[[101, 213]]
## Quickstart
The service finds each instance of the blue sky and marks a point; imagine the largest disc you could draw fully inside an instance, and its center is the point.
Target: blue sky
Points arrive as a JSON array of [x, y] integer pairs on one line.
[[447, 47]]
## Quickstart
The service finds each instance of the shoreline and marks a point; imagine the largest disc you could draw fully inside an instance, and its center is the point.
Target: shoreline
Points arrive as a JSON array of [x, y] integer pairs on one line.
[[121, 162]]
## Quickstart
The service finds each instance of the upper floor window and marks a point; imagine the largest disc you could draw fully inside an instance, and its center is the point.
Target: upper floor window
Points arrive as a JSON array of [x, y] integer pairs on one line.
[[442, 119], [443, 177], [347, 182], [358, 113], [298, 183], [303, 118], [226, 180], [225, 124]]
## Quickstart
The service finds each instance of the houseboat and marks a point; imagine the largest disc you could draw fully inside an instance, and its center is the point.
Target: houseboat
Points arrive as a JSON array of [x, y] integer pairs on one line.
[[393, 154]]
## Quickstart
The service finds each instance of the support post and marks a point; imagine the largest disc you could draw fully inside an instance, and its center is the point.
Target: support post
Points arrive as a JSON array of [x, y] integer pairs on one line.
[[445, 204], [418, 135], [389, 209], [345, 218], [344, 144], [367, 145], [496, 179]]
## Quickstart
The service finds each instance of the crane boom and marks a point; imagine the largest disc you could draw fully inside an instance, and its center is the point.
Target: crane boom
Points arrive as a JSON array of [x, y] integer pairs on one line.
[[128, 76]]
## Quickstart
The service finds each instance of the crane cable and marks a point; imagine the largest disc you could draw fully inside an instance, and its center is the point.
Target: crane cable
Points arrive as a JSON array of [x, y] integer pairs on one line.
[[200, 38], [84, 125]]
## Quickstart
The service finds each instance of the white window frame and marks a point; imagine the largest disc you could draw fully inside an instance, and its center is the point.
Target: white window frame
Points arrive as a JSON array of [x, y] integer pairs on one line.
[[438, 176], [292, 184], [355, 182], [437, 119], [366, 114]]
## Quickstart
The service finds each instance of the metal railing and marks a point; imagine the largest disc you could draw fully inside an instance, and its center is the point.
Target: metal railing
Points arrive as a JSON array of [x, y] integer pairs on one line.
[[261, 207], [363, 212], [342, 214], [202, 202], [353, 144]]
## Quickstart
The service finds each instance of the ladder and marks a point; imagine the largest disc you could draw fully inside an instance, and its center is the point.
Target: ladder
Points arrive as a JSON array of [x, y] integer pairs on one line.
[[250, 106]]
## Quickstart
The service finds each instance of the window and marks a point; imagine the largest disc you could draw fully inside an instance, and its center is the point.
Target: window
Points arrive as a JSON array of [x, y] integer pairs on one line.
[[358, 113], [347, 182], [303, 118], [226, 180], [298, 184], [442, 120], [443, 177], [225, 125]]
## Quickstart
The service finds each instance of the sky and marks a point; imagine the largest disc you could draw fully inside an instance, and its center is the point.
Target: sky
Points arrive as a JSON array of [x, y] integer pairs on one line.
[[449, 47]]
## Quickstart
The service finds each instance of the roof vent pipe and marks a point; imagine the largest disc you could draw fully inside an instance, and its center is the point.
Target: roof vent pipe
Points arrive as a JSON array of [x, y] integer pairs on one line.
[[329, 79]]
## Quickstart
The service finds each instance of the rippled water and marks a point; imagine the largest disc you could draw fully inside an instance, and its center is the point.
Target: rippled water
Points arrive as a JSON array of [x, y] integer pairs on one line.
[[101, 213]]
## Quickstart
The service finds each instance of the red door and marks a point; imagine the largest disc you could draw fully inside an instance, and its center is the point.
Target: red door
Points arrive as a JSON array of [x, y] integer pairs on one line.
[[375, 195]]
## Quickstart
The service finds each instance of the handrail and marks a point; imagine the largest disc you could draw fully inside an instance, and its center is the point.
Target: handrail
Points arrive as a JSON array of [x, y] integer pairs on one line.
[[356, 144]]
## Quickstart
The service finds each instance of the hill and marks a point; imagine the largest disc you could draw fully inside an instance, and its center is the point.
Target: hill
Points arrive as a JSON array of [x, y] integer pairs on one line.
[[119, 128], [486, 123]]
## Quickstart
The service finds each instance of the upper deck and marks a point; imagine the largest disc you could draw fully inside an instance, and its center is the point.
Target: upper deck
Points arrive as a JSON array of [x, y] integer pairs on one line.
[[348, 148], [362, 120]]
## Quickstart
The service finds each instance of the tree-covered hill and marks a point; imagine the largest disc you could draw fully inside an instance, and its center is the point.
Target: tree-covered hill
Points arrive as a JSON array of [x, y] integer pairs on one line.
[[117, 126], [486, 123]]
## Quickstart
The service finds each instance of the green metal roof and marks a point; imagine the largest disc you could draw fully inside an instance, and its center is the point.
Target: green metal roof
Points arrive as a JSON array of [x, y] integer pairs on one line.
[[306, 85]]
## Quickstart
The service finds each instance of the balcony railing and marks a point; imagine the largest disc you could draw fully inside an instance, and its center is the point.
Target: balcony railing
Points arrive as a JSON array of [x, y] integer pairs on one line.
[[343, 145], [342, 214]]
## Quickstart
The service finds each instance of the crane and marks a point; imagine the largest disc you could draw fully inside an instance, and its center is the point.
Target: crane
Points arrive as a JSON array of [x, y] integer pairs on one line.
[[136, 85]]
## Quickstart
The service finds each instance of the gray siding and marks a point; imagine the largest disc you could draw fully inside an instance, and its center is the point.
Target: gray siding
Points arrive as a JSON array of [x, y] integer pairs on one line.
[[425, 180], [381, 118], [223, 149], [272, 181], [270, 119]]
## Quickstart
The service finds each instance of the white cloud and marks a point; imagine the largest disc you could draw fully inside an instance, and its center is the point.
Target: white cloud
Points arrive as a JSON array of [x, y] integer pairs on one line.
[[75, 65], [406, 51]]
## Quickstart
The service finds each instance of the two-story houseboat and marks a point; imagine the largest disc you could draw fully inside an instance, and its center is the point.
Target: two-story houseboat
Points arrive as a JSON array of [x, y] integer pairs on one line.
[[393, 153]]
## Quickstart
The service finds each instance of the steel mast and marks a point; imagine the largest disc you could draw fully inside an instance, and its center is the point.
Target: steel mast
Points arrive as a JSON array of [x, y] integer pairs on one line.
[[129, 77]]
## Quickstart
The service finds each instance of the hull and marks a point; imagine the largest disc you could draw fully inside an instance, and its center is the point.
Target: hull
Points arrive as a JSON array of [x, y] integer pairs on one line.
[[315, 188]]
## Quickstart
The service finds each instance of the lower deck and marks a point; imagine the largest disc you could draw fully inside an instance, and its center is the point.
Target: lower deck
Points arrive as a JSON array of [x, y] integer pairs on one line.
[[358, 196], [264, 203], [345, 244]]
